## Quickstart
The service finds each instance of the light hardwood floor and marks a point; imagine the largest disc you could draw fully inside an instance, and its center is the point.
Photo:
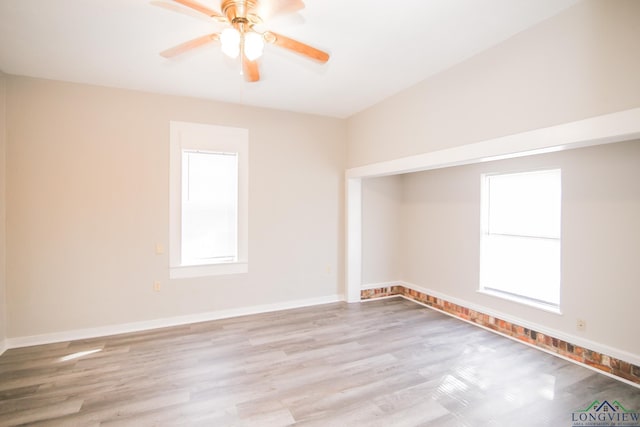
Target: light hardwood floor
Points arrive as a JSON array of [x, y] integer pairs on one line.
[[382, 363]]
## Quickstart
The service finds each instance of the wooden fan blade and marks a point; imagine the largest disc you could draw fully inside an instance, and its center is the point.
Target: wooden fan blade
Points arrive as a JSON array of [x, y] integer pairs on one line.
[[250, 69], [191, 44], [296, 46], [180, 9], [202, 9]]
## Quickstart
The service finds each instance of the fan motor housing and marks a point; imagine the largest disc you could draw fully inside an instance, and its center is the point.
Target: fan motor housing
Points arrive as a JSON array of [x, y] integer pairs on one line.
[[240, 11]]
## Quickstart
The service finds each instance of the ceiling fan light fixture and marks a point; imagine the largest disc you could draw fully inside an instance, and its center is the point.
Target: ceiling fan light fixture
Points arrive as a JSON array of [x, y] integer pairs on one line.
[[253, 45], [230, 40], [242, 36]]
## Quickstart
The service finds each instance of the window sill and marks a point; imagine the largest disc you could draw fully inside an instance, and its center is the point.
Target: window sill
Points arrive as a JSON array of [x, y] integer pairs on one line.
[[185, 272], [524, 301]]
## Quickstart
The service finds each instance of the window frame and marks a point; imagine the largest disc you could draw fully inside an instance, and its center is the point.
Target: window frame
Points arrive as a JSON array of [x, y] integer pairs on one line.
[[185, 136], [484, 231]]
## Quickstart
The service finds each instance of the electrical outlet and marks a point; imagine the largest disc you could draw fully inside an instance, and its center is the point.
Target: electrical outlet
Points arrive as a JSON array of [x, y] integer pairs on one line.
[[159, 249], [156, 286], [581, 325], [328, 269]]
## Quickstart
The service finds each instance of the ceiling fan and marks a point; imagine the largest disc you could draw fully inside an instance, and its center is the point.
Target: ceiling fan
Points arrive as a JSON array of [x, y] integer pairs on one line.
[[241, 37]]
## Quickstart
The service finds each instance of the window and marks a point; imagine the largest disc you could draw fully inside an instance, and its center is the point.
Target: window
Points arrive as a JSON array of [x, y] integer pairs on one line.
[[520, 237], [208, 198], [209, 207]]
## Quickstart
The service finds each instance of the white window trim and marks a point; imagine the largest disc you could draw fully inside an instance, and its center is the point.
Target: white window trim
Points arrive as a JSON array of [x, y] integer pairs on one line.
[[484, 225], [194, 136], [551, 308]]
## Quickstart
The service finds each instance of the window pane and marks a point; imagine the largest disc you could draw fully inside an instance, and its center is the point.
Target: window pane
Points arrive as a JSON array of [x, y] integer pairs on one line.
[[525, 204], [209, 207], [520, 253], [522, 266]]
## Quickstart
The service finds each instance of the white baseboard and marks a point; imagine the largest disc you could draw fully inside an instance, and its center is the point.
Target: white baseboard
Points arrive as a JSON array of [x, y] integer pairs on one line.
[[3, 346], [381, 285], [573, 339], [162, 323]]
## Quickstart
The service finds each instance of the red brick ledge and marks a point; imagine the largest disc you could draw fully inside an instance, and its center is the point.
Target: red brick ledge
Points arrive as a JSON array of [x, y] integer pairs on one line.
[[602, 362]]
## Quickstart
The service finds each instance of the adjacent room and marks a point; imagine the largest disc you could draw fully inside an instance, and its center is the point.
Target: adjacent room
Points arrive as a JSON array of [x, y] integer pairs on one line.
[[286, 212]]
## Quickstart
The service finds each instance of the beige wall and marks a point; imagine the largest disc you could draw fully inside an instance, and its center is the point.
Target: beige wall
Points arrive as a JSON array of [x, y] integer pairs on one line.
[[87, 173], [381, 224], [3, 235], [581, 63], [88, 200], [600, 239]]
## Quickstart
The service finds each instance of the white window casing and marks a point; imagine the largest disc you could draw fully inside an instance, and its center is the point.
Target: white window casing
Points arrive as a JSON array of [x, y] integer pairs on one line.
[[208, 167]]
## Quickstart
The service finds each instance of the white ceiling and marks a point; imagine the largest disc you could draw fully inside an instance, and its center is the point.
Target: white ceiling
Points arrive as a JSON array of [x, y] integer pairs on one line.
[[377, 48]]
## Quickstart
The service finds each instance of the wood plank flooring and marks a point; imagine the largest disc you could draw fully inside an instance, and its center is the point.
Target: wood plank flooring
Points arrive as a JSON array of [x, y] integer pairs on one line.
[[382, 363]]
